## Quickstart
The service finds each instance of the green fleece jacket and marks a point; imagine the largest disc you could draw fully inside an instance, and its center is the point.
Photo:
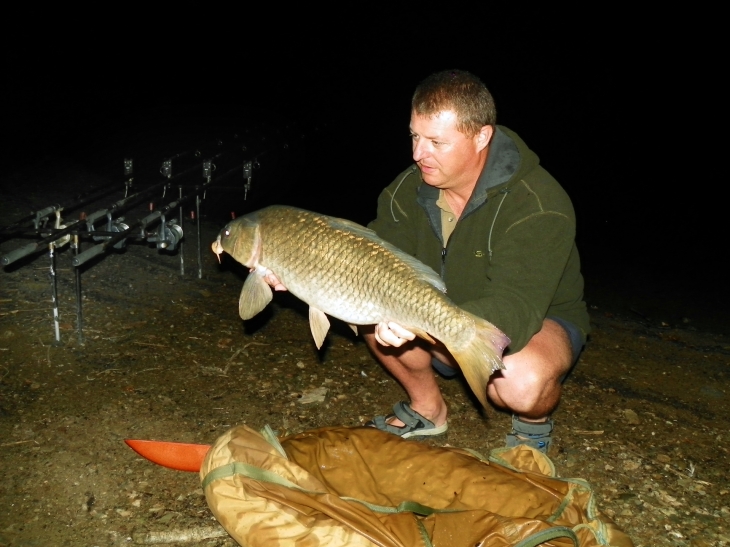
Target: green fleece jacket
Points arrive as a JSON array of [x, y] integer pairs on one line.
[[511, 258]]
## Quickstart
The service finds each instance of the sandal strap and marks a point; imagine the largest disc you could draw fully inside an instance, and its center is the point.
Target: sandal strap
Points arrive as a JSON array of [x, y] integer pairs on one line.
[[415, 424], [534, 434], [381, 422], [539, 429], [410, 417]]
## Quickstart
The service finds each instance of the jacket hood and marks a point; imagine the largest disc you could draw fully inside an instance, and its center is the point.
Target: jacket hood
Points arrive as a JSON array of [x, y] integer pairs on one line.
[[509, 157]]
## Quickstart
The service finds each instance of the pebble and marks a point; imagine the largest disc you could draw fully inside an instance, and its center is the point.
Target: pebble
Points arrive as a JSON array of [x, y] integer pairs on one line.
[[631, 465], [631, 417], [314, 395], [167, 517]]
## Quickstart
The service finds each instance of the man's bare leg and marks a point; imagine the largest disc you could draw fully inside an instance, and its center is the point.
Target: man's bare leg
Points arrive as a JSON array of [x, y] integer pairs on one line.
[[530, 386], [410, 364]]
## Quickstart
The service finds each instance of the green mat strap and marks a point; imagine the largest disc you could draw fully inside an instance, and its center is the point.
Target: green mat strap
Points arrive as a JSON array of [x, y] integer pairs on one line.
[[403, 507], [258, 474], [253, 472], [271, 438], [547, 535], [424, 534]]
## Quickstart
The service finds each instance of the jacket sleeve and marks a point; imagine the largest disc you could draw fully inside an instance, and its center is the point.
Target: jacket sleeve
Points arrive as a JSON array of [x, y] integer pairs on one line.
[[527, 263]]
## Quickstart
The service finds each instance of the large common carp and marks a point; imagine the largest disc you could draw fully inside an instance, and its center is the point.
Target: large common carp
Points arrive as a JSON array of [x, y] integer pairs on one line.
[[345, 270]]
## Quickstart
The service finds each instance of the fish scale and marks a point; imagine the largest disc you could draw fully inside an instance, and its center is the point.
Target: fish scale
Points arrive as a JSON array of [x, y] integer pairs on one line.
[[346, 271]]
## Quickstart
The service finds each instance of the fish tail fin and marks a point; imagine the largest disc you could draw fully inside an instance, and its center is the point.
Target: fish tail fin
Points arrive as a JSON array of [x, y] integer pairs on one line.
[[481, 357]]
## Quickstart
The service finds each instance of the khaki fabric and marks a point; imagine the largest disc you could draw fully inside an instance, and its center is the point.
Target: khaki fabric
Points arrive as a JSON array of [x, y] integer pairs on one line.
[[362, 487]]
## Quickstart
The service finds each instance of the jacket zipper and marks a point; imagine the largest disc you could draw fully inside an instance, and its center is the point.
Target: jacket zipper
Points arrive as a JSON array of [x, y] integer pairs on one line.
[[443, 261], [444, 252]]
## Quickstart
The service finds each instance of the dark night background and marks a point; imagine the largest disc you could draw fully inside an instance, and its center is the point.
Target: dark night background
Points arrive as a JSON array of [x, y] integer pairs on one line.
[[591, 94]]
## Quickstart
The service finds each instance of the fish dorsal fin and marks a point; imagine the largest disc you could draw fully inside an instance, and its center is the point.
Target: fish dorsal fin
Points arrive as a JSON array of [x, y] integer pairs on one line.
[[319, 325], [424, 272], [255, 296]]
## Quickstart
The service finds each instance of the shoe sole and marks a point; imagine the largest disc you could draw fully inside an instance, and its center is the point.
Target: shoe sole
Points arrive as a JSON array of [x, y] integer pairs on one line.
[[434, 431]]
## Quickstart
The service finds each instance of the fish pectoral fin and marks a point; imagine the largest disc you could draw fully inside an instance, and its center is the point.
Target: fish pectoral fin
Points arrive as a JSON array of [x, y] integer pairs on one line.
[[354, 328], [421, 334], [255, 296], [319, 324]]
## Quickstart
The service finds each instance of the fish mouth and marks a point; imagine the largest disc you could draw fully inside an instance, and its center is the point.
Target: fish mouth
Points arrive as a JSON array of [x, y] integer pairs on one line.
[[217, 248]]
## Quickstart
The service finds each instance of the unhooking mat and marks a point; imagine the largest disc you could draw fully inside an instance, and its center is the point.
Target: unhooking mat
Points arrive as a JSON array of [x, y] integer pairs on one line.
[[335, 487]]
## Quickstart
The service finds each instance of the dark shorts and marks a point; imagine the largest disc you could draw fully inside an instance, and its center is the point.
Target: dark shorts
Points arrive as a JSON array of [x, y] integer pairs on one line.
[[574, 335]]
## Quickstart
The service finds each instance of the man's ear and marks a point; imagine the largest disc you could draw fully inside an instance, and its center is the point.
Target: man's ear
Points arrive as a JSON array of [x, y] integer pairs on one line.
[[484, 137]]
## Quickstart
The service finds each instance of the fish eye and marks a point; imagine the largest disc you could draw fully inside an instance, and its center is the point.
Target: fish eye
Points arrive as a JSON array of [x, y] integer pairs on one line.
[[227, 232]]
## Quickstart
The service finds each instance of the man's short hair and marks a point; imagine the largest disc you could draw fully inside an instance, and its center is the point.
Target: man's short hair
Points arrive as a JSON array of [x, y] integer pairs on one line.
[[460, 91]]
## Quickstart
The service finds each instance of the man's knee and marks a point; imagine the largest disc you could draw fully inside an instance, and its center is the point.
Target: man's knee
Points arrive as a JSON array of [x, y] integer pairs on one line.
[[531, 380], [524, 390]]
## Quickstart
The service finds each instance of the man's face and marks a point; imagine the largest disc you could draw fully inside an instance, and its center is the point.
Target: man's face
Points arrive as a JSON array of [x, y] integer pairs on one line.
[[446, 157]]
